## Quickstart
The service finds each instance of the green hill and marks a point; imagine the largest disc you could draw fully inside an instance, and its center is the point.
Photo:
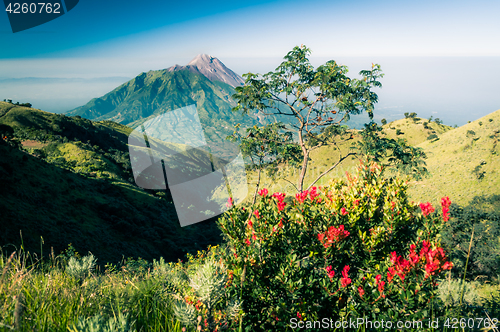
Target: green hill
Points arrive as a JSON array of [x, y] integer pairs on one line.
[[414, 130], [68, 180], [463, 162]]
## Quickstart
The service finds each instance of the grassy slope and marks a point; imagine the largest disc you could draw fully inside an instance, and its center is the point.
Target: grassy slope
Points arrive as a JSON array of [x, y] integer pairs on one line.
[[66, 197], [453, 158], [414, 131]]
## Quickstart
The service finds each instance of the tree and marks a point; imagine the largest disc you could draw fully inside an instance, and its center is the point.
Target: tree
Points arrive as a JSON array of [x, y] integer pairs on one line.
[[384, 122], [314, 103], [311, 99]]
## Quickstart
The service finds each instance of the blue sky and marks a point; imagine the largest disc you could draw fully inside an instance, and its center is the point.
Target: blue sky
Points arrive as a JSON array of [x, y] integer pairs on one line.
[[124, 38]]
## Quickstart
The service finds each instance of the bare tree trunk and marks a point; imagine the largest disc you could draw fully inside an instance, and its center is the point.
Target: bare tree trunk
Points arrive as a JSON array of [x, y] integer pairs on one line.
[[257, 186], [332, 167], [304, 161]]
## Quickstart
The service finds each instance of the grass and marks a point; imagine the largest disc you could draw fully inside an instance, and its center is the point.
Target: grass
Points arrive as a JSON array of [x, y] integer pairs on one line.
[[38, 295]]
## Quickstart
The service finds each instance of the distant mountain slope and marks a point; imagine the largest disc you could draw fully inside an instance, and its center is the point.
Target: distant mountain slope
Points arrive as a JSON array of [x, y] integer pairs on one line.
[[71, 183], [464, 162]]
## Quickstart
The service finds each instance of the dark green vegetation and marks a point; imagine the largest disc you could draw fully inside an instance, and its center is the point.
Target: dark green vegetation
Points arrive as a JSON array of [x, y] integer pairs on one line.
[[72, 183], [482, 216]]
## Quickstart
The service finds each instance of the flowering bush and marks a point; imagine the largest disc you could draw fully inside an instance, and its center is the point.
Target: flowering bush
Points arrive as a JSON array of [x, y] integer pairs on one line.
[[356, 247]]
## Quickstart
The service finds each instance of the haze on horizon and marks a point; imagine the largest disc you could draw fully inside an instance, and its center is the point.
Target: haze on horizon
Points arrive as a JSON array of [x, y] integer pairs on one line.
[[439, 58]]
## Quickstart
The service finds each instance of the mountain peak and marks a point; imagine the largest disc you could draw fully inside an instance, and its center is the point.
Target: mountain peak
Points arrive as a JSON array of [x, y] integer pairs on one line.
[[212, 68], [202, 59]]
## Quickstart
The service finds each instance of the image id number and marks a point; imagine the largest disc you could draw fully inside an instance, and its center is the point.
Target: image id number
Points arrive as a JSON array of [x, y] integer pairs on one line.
[[41, 7]]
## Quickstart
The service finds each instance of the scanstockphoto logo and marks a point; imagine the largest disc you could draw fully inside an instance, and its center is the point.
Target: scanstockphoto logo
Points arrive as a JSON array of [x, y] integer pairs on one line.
[[205, 174], [25, 15]]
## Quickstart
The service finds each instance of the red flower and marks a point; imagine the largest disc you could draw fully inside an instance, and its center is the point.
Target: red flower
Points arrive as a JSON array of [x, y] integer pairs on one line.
[[345, 271], [445, 204], [230, 202], [250, 224], [426, 208], [377, 278], [356, 202], [279, 196], [345, 277], [361, 291], [256, 213], [330, 272], [281, 206], [301, 197], [333, 235], [247, 242], [391, 274], [343, 211], [263, 192], [447, 265], [313, 194], [381, 286], [344, 282], [299, 316]]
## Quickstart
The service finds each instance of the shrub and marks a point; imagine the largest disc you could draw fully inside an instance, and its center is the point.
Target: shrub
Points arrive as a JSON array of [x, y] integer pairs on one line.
[[478, 172], [450, 292], [201, 293], [357, 247], [399, 132], [431, 137], [81, 268], [99, 324]]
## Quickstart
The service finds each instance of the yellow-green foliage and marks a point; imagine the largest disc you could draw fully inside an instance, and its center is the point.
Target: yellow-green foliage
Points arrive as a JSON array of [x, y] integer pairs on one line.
[[88, 161], [463, 163]]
